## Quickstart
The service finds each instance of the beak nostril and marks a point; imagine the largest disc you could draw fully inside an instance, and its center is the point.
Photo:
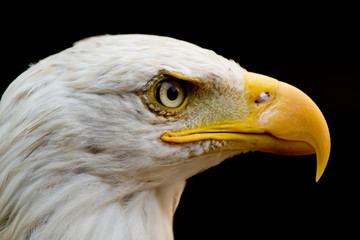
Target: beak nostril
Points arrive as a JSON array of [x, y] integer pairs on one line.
[[264, 96]]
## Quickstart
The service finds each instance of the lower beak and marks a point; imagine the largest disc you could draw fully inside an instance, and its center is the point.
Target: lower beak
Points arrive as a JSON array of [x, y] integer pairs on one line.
[[284, 120]]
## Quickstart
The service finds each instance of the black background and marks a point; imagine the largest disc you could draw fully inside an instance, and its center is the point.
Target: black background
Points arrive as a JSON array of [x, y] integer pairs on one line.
[[257, 194]]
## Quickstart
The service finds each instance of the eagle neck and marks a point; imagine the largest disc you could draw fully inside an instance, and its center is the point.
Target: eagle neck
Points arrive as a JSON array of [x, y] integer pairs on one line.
[[142, 215], [85, 208]]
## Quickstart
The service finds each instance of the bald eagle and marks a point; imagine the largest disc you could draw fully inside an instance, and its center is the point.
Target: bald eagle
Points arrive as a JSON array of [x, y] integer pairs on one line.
[[98, 140]]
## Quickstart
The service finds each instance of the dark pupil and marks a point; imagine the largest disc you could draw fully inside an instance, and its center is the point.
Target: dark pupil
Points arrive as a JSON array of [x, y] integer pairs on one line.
[[172, 93]]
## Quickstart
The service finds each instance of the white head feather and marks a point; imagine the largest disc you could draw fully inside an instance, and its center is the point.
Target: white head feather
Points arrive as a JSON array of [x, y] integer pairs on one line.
[[80, 151]]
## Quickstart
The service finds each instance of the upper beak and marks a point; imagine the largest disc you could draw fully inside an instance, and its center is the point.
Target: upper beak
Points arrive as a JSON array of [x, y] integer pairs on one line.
[[293, 116], [283, 120]]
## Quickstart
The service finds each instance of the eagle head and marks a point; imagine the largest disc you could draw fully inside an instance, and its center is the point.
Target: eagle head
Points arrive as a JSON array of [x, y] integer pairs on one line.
[[98, 140]]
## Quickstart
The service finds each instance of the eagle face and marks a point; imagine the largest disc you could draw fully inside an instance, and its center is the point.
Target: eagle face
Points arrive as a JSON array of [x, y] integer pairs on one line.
[[124, 114], [143, 87]]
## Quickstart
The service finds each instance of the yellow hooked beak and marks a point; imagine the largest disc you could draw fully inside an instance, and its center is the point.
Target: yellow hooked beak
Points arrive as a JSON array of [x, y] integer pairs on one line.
[[283, 120]]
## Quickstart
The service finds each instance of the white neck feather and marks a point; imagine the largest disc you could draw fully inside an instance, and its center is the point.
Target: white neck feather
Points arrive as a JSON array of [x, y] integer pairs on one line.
[[99, 212], [146, 215]]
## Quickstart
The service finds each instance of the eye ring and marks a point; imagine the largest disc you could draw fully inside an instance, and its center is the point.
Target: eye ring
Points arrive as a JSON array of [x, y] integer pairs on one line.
[[170, 93]]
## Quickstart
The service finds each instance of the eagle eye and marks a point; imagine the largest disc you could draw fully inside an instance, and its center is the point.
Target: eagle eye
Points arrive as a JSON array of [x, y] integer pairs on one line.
[[170, 93]]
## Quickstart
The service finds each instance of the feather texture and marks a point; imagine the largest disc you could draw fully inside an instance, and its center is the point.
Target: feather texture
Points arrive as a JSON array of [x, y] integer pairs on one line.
[[80, 152]]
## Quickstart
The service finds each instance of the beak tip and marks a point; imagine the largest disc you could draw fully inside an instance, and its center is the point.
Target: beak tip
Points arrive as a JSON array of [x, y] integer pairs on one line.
[[318, 176], [322, 163]]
